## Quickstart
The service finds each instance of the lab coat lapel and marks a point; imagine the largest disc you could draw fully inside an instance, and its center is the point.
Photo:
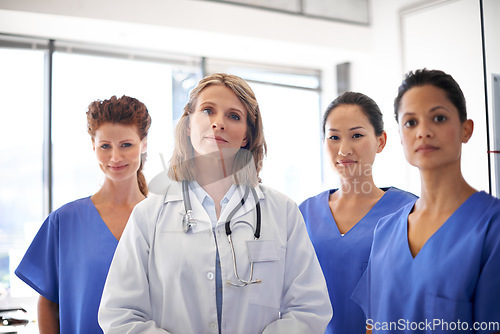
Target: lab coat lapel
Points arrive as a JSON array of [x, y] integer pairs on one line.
[[174, 194], [235, 201], [202, 219]]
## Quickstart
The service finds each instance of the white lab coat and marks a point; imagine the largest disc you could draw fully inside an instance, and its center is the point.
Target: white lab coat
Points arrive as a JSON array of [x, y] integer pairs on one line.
[[162, 280]]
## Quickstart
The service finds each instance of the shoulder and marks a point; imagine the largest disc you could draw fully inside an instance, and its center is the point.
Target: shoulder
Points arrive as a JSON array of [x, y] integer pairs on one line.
[[396, 218], [487, 201], [314, 201], [401, 194], [273, 195], [72, 209], [153, 203], [76, 204], [276, 200], [487, 207]]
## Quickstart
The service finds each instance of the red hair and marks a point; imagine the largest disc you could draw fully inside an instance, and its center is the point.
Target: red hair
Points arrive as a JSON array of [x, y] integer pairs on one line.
[[126, 111]]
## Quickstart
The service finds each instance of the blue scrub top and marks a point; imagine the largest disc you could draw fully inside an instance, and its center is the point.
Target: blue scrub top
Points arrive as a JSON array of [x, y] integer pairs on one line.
[[451, 283], [344, 258], [68, 262]]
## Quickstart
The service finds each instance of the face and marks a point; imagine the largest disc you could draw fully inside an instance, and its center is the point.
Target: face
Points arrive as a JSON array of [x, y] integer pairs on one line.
[[350, 141], [218, 125], [118, 149], [430, 128]]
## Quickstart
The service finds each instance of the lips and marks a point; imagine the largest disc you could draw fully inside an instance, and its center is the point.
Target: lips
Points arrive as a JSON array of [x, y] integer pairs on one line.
[[346, 162], [218, 139], [426, 148], [117, 168]]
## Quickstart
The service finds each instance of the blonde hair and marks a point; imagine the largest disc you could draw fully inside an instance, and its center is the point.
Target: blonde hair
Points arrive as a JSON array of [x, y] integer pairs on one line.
[[182, 164]]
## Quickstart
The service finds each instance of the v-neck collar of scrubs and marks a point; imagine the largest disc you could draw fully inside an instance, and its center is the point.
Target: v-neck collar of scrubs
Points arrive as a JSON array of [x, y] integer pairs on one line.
[[100, 220], [355, 227], [462, 209]]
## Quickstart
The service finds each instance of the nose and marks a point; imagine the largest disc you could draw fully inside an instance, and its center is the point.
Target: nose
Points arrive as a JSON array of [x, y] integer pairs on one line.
[[115, 155], [218, 122], [424, 130], [345, 148]]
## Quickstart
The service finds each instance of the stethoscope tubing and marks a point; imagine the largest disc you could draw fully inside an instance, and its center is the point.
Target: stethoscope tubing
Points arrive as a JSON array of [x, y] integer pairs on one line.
[[188, 222]]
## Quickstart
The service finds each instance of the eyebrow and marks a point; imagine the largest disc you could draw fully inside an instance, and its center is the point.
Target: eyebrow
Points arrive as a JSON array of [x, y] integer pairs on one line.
[[237, 110], [213, 104], [433, 109], [439, 107], [105, 141], [351, 129]]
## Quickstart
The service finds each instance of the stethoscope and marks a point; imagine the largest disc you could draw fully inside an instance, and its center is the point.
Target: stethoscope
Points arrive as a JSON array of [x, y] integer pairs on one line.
[[188, 222]]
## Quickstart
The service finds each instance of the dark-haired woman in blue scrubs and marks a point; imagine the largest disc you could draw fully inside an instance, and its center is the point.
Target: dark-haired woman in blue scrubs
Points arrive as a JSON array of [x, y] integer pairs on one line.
[[340, 222], [435, 264]]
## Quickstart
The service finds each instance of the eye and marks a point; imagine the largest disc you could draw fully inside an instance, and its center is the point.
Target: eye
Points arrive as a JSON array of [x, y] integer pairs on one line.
[[125, 145], [357, 135], [334, 137], [207, 111], [410, 123], [105, 146], [440, 118], [235, 117]]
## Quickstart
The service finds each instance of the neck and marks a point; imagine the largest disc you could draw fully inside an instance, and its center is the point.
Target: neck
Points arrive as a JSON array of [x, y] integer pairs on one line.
[[214, 176], [210, 170], [438, 185], [119, 193], [358, 187]]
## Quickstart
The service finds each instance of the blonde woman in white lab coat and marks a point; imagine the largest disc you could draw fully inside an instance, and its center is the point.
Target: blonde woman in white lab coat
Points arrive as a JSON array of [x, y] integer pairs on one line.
[[175, 272]]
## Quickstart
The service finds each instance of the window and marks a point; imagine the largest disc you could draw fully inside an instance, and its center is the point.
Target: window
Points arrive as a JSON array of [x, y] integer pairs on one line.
[[292, 131], [21, 167]]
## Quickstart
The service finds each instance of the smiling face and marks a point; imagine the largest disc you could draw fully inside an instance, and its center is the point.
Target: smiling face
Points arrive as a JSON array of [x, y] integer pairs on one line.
[[218, 124], [350, 141], [118, 149], [430, 128]]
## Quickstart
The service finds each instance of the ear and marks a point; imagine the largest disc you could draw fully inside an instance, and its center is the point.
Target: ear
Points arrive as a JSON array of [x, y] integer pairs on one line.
[[144, 145], [382, 140], [244, 142], [467, 130], [93, 144]]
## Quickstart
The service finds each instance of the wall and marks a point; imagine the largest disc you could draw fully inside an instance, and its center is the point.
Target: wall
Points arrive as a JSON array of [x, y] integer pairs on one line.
[[454, 47]]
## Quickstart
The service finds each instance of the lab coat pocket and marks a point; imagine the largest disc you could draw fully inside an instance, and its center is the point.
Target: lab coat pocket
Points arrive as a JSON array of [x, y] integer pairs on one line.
[[447, 312], [269, 268]]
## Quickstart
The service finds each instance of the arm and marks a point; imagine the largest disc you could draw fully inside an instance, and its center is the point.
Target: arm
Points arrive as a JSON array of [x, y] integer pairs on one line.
[[48, 316], [126, 301], [305, 305]]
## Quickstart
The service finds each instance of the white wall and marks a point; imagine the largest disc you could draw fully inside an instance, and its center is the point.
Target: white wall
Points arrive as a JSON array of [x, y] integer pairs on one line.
[[454, 47], [204, 28]]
